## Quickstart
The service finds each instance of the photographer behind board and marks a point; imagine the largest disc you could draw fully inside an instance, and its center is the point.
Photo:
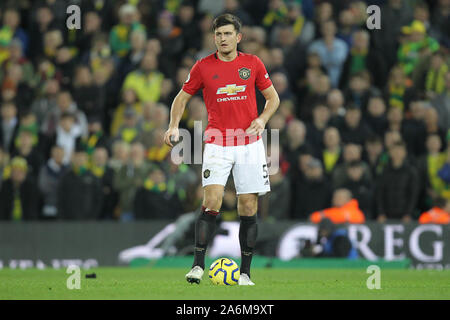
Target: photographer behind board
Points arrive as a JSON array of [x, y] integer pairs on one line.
[[332, 242]]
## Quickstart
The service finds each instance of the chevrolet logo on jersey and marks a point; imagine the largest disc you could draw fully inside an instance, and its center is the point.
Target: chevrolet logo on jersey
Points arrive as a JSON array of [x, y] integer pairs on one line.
[[231, 89]]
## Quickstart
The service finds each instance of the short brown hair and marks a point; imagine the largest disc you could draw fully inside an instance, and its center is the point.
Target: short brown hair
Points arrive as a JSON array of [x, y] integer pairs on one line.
[[226, 19]]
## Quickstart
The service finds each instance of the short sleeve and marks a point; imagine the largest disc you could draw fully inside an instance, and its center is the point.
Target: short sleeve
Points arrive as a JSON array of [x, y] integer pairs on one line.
[[262, 76], [194, 80]]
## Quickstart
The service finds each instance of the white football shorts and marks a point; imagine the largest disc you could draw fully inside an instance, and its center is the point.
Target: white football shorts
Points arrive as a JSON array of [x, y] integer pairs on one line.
[[247, 162]]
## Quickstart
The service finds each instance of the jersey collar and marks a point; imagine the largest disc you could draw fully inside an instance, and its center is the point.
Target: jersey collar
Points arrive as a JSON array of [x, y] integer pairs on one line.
[[215, 55]]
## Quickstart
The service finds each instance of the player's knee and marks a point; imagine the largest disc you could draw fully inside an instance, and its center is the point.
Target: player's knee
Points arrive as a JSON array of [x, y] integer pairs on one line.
[[247, 207], [213, 202]]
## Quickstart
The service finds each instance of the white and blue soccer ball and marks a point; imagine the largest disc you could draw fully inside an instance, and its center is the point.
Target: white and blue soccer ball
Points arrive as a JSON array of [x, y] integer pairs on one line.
[[224, 272]]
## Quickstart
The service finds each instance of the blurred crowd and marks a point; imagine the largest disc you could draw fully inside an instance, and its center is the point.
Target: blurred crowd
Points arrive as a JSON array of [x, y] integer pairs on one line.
[[364, 115]]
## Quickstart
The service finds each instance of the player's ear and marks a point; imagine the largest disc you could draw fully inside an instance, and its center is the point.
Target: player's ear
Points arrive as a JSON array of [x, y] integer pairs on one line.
[[239, 37]]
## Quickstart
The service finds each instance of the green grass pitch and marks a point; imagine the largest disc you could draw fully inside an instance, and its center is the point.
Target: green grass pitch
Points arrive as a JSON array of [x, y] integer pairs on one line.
[[273, 284]]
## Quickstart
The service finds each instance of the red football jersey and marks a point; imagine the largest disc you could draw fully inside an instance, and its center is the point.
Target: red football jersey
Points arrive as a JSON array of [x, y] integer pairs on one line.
[[229, 95]]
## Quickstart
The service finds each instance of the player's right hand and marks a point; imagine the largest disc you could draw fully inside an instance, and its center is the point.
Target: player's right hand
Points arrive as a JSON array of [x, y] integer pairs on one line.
[[172, 134]]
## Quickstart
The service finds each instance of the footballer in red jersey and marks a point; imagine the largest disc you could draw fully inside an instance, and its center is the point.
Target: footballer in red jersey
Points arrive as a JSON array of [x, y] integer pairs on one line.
[[228, 79], [229, 94]]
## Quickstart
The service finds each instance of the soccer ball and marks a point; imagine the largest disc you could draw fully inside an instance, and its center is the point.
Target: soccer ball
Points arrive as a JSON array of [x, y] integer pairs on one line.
[[224, 272]]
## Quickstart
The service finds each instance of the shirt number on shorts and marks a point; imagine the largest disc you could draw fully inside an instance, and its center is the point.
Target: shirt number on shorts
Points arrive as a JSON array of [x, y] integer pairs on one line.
[[266, 173]]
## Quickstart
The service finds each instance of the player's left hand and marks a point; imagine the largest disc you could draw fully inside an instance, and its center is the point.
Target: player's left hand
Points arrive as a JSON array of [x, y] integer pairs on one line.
[[256, 127]]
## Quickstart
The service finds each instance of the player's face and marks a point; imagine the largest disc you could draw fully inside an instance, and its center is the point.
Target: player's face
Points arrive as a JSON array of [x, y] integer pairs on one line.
[[226, 39]]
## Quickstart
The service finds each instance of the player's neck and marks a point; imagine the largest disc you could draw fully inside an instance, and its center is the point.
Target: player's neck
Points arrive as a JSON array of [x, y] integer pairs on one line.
[[228, 56]]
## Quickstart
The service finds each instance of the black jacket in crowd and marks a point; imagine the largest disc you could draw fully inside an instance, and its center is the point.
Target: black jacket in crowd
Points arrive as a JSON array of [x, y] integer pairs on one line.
[[109, 195], [29, 199], [356, 135], [398, 191], [79, 196], [150, 204], [10, 147], [311, 195]]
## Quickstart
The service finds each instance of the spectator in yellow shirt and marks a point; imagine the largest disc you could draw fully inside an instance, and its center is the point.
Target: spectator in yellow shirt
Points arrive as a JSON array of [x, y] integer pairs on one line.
[[129, 101], [147, 80]]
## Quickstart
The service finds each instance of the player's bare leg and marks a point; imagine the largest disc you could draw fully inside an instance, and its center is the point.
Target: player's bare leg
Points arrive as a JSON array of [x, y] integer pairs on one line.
[[205, 226], [248, 231]]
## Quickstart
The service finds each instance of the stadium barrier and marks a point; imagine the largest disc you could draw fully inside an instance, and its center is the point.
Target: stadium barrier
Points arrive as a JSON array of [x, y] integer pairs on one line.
[[91, 244], [273, 262]]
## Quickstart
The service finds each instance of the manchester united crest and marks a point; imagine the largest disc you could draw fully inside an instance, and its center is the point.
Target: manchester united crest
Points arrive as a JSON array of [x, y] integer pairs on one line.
[[244, 73]]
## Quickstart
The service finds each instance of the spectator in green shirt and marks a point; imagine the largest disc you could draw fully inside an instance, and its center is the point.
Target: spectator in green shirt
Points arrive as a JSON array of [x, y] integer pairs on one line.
[[119, 37], [417, 44]]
